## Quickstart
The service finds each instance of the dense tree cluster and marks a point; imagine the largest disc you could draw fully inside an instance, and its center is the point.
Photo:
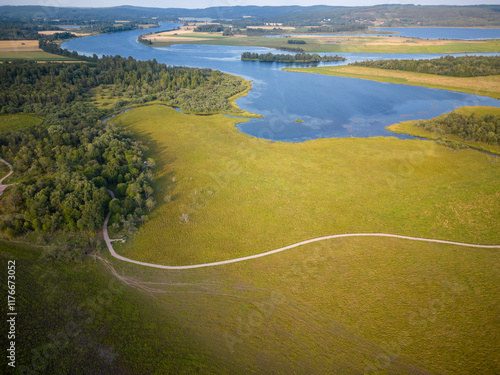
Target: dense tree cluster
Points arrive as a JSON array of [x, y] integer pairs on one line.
[[337, 28], [64, 166], [485, 128], [64, 172], [299, 57], [209, 28], [296, 41], [465, 66]]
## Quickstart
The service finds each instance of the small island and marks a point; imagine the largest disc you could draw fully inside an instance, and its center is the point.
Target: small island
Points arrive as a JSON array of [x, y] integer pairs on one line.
[[297, 58]]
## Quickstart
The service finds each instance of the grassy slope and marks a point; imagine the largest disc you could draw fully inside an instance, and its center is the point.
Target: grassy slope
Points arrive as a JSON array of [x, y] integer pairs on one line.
[[488, 86], [334, 307], [102, 326], [360, 44], [245, 195], [12, 122], [408, 127]]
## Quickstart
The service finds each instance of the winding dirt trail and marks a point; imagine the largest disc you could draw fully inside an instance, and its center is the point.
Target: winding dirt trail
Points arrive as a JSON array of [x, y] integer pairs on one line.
[[235, 260], [2, 186]]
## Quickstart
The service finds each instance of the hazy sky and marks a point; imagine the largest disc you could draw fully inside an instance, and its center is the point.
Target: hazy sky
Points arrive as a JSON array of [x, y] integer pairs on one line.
[[212, 3]]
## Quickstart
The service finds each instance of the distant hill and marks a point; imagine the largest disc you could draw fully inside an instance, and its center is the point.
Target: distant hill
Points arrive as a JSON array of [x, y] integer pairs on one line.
[[382, 15]]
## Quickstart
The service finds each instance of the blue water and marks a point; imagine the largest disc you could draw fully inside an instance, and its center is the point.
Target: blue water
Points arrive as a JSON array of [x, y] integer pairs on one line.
[[444, 32], [328, 106]]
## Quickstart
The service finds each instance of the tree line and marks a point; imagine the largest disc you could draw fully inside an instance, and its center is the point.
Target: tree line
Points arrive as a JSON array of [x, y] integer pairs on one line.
[[477, 128], [209, 28], [464, 66], [299, 57]]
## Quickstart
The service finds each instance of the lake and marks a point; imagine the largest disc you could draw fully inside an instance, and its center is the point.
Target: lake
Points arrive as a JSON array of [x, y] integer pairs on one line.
[[328, 106]]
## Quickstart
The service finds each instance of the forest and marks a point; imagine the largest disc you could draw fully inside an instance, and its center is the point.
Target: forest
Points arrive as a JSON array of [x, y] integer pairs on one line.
[[464, 66], [29, 87], [317, 15], [297, 58], [210, 28], [64, 166], [470, 127]]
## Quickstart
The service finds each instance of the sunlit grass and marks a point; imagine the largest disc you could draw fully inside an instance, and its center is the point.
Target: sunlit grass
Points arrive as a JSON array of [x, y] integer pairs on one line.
[[33, 55], [233, 195], [18, 121]]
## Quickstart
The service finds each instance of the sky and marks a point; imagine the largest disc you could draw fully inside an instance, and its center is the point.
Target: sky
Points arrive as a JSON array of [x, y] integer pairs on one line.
[[213, 3]]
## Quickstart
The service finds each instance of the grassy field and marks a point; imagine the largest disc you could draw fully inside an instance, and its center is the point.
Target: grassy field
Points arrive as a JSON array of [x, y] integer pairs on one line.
[[488, 85], [408, 127], [27, 50], [244, 195], [342, 306], [18, 121], [338, 43], [35, 56]]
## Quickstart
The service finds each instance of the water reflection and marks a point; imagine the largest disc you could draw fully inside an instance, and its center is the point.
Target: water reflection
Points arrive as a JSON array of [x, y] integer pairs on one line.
[[325, 106]]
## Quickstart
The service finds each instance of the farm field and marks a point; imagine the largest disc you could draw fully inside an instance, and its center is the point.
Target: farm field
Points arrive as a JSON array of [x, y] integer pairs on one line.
[[488, 85], [27, 50], [354, 304], [336, 43]]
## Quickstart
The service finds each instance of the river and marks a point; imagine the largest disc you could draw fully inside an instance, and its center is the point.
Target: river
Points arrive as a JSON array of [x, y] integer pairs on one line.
[[327, 106]]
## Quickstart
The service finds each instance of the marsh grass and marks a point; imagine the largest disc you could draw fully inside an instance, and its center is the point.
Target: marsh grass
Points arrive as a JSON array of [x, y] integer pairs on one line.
[[18, 121], [245, 195]]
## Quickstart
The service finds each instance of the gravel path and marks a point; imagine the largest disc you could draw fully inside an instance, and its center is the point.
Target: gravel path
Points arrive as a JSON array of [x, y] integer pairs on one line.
[[222, 262]]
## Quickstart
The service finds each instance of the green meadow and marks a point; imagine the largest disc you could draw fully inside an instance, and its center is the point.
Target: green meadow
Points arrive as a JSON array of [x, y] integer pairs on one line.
[[223, 194], [18, 121], [75, 317], [409, 127], [344, 44], [351, 305]]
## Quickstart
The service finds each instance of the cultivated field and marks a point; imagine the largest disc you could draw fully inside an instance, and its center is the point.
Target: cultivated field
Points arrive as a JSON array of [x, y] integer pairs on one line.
[[244, 195], [342, 306]]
